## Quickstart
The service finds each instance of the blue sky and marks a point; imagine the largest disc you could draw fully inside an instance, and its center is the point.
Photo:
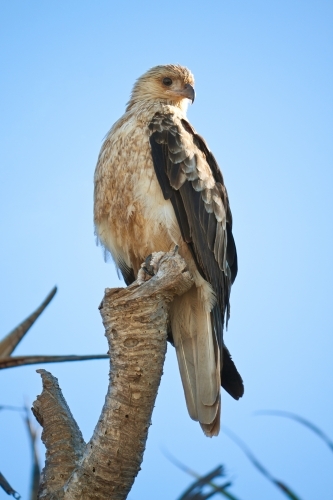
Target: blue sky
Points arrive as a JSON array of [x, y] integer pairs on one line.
[[264, 103]]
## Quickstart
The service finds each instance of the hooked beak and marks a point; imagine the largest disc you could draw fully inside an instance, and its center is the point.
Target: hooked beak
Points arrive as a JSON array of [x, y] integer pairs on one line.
[[189, 92]]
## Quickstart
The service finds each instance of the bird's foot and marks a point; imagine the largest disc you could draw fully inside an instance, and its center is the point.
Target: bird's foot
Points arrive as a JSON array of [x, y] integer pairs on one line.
[[149, 267]]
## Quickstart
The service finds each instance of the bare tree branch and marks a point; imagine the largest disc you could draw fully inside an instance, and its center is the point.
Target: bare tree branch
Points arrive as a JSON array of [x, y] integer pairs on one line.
[[33, 436], [4, 484], [10, 342], [14, 361], [61, 435], [135, 321]]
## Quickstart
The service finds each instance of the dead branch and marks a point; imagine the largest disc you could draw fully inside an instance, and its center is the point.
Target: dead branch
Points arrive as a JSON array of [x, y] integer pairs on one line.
[[10, 342], [4, 484], [61, 435], [15, 361], [33, 438], [135, 320]]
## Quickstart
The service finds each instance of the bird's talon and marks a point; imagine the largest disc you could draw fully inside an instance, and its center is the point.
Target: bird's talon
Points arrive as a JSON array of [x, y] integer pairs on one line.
[[148, 268], [148, 271]]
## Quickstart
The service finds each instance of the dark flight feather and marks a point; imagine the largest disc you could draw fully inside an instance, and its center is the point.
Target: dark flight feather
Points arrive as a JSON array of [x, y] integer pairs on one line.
[[127, 272], [204, 218]]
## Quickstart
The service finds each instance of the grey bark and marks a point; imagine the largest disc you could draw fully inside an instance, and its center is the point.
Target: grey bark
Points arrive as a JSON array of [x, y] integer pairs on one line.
[[135, 320]]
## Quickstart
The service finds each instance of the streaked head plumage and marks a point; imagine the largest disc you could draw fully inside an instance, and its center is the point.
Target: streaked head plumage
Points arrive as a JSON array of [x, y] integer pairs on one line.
[[170, 84]]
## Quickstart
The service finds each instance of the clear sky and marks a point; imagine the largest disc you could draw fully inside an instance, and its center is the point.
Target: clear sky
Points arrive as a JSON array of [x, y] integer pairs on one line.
[[263, 74]]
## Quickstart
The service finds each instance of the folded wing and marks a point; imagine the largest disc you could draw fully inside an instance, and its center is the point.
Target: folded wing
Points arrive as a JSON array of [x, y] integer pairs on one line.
[[190, 177]]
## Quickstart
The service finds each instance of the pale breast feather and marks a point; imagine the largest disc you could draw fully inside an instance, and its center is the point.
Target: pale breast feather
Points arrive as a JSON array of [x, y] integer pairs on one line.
[[130, 210]]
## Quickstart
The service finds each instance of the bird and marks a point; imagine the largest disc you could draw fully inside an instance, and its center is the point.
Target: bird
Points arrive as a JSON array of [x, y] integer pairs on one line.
[[158, 185]]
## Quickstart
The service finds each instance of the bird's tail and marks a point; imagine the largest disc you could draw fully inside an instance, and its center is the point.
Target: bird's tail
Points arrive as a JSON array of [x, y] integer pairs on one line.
[[230, 378], [198, 358]]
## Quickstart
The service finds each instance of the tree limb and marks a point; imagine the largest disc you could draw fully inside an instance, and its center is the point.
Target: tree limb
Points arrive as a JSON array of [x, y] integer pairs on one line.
[[135, 320], [10, 342], [61, 435], [4, 484], [33, 437], [15, 361]]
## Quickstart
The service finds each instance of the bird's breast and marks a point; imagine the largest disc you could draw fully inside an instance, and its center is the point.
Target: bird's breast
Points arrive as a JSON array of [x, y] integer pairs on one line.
[[132, 217]]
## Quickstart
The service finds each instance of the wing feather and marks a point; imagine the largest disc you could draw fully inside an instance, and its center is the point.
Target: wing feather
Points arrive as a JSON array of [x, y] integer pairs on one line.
[[190, 177]]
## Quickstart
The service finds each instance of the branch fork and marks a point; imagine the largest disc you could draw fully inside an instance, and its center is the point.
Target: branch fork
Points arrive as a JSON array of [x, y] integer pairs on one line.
[[135, 321]]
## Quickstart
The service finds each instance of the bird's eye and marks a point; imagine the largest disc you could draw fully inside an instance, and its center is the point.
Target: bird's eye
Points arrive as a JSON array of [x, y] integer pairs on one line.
[[167, 81]]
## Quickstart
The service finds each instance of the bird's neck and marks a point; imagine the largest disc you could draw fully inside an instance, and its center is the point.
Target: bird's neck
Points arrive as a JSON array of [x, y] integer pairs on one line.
[[144, 106]]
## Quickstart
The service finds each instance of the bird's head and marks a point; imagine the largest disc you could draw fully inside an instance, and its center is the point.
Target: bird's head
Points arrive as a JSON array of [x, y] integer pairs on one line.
[[170, 84]]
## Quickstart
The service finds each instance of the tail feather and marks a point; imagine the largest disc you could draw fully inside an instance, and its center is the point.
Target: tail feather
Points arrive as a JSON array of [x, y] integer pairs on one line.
[[187, 373], [198, 359], [206, 369], [213, 429], [231, 380]]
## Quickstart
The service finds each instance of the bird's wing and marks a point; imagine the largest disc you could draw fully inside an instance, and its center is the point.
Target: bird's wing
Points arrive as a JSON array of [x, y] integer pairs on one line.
[[190, 177]]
